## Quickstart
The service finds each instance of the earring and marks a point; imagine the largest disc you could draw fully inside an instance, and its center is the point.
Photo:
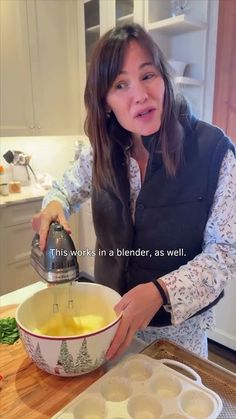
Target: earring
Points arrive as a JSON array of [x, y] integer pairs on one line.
[[108, 115]]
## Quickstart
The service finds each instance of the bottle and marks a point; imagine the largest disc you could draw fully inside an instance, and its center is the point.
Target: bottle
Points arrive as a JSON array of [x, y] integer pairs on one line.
[[2, 175], [3, 184]]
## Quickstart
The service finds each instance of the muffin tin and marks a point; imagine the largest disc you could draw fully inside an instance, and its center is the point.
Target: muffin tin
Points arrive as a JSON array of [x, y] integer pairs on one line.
[[140, 387]]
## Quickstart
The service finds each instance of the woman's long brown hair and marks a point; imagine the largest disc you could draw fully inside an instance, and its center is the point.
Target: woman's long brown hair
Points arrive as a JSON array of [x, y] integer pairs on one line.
[[106, 63]]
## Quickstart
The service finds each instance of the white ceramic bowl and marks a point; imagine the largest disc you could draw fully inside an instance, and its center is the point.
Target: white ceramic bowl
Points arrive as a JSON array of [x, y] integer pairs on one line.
[[178, 67], [68, 355]]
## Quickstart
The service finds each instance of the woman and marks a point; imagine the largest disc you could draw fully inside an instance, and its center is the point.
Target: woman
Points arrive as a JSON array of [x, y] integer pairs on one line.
[[162, 185]]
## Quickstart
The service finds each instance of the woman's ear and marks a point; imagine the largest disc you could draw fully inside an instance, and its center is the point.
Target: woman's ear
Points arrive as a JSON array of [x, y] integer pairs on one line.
[[108, 111]]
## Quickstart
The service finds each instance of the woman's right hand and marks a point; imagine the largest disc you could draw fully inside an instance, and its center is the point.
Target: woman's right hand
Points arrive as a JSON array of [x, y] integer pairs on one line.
[[42, 220]]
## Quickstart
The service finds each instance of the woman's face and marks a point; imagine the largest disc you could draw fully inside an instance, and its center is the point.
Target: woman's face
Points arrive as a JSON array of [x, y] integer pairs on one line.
[[137, 94]]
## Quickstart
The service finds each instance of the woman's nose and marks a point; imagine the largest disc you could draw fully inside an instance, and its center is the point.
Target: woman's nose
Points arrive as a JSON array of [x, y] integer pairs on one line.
[[140, 94]]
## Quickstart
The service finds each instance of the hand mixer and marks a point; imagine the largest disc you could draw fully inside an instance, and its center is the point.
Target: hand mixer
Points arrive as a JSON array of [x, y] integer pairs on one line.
[[57, 264]]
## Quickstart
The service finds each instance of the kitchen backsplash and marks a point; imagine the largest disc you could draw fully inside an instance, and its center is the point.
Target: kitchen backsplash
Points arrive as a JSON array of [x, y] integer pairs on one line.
[[50, 155]]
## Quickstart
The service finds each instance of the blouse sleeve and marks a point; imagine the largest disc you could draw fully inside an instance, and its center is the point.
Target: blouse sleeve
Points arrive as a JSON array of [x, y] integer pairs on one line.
[[199, 282], [75, 186]]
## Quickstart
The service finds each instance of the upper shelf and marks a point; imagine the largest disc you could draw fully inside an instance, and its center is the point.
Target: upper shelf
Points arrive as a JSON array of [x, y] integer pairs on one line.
[[125, 18], [176, 25], [93, 28]]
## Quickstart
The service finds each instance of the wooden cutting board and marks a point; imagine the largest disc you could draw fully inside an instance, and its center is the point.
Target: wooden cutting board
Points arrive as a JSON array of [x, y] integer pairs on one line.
[[27, 391]]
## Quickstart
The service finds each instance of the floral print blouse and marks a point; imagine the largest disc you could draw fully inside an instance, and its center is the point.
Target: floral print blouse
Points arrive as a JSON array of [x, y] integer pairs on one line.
[[200, 281]]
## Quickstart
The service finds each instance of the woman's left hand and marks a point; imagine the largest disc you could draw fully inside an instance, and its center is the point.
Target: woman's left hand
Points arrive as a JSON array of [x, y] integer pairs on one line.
[[138, 306]]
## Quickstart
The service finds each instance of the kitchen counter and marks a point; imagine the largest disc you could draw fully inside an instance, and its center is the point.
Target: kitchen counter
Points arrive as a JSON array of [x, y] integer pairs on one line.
[[28, 193], [16, 297]]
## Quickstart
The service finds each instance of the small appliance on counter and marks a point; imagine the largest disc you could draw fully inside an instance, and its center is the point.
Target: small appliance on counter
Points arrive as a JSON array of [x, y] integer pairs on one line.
[[20, 159]]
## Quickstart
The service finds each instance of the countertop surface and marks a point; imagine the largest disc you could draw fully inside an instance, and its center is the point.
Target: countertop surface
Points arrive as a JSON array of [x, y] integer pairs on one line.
[[28, 193], [16, 297]]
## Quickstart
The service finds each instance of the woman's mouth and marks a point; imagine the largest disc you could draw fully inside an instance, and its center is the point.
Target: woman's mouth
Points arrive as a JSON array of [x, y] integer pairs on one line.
[[145, 114]]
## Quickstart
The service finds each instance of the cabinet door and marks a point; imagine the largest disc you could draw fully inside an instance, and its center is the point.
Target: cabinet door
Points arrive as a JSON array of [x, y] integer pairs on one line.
[[225, 313], [55, 67], [128, 11], [16, 115], [95, 17], [18, 275], [15, 245]]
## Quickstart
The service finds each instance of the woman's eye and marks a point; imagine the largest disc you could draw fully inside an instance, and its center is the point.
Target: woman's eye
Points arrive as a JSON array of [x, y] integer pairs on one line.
[[120, 85], [148, 76]]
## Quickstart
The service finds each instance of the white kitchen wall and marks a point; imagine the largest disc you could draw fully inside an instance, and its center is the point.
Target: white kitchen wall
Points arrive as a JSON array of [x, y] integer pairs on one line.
[[50, 155]]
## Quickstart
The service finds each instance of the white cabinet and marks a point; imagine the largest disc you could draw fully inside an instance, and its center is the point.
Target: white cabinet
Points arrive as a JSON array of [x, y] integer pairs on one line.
[[225, 312], [15, 243], [17, 114], [189, 37], [40, 92]]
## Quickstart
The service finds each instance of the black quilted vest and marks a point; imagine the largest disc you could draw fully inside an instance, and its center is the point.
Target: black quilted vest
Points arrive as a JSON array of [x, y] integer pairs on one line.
[[170, 217]]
